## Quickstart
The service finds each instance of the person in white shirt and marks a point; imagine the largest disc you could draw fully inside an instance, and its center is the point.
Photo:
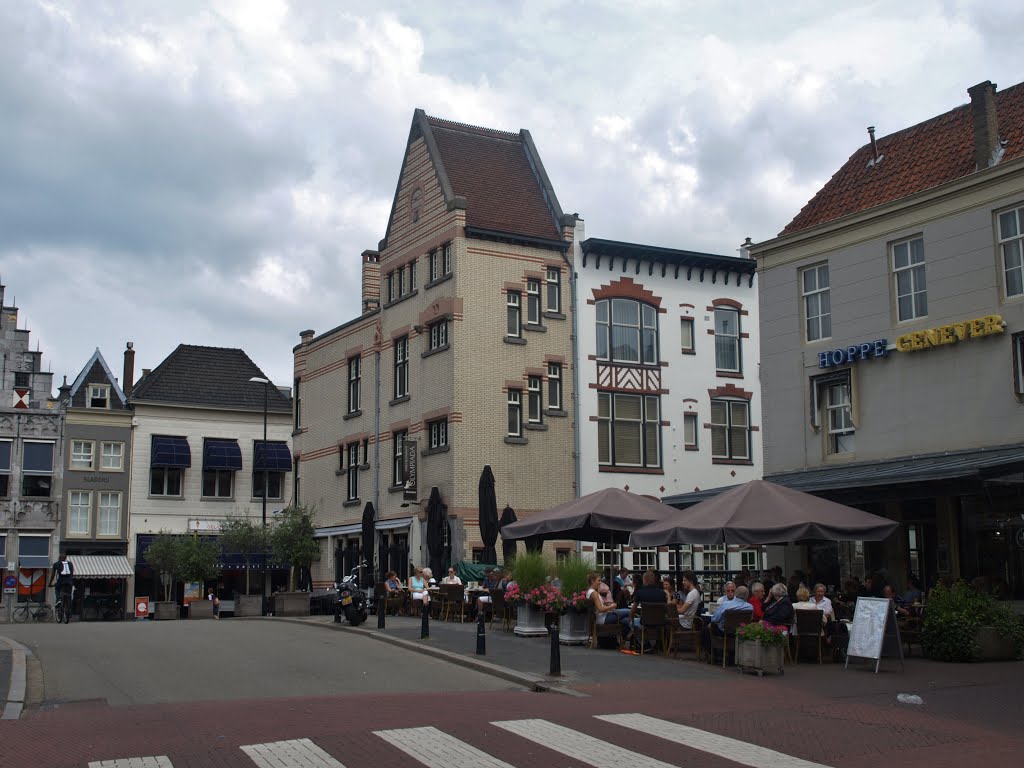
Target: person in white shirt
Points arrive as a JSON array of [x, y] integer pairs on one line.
[[451, 578], [821, 602], [689, 606]]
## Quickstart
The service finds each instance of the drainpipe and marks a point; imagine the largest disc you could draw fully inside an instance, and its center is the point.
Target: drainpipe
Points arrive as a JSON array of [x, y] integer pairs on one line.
[[577, 228], [376, 438]]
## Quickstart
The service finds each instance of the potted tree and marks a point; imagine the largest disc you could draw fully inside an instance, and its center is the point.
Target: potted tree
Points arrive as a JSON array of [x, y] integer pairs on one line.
[[530, 571], [244, 536], [572, 572], [293, 541], [165, 555], [199, 564]]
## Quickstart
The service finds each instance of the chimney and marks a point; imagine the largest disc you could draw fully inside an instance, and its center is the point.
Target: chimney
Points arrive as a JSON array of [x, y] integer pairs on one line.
[[745, 247], [128, 380], [306, 336], [987, 149], [371, 281]]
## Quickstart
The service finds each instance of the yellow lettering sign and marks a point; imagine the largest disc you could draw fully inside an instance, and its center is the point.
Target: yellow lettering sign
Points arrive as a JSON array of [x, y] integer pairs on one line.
[[950, 334]]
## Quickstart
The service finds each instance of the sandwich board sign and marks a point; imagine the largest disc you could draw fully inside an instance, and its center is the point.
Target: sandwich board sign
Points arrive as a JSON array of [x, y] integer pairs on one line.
[[874, 631]]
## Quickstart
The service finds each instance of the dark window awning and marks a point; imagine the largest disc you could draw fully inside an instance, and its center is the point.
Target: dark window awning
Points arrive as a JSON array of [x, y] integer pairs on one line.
[[277, 457], [222, 454], [170, 452]]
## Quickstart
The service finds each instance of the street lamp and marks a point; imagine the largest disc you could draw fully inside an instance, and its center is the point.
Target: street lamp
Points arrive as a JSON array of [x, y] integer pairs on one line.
[[266, 479]]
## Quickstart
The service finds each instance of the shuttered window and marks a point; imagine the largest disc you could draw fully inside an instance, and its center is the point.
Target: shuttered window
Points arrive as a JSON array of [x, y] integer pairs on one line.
[[628, 430], [730, 429]]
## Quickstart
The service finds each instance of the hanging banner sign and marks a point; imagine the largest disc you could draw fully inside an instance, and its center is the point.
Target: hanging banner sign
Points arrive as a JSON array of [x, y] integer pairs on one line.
[[409, 468]]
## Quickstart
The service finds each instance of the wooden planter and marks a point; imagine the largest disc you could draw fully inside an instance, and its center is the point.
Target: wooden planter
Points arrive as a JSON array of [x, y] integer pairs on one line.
[[200, 609], [291, 604], [755, 657], [248, 605], [164, 610]]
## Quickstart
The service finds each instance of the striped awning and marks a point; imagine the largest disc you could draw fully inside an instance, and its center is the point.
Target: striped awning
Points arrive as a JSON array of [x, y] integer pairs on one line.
[[101, 566]]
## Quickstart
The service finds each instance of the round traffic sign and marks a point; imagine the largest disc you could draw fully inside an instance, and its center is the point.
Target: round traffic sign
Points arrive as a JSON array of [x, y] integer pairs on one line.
[[10, 582]]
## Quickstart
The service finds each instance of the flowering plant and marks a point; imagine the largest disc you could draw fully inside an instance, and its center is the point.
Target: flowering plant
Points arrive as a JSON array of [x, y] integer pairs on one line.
[[513, 593], [577, 601], [547, 597], [754, 632]]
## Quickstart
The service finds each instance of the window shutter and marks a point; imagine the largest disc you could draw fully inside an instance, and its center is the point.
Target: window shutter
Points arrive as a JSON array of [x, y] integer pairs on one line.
[[627, 442], [604, 455]]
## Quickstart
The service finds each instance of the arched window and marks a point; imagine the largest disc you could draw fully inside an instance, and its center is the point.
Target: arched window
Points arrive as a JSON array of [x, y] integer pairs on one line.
[[627, 331]]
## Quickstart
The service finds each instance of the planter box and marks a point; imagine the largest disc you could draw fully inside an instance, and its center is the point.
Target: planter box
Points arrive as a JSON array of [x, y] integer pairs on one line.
[[200, 609], [164, 610], [248, 605], [574, 628], [291, 604], [993, 646], [755, 657], [530, 621]]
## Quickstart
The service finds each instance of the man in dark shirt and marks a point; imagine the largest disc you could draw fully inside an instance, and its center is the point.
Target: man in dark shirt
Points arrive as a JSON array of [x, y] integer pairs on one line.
[[649, 592]]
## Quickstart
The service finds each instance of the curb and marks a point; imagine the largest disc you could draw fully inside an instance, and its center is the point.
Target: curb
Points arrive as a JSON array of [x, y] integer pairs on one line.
[[530, 682], [14, 701]]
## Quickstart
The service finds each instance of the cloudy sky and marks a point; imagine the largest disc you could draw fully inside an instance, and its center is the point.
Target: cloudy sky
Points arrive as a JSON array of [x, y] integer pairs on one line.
[[209, 172]]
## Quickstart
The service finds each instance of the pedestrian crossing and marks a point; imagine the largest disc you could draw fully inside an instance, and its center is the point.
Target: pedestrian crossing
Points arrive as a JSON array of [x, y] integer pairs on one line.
[[434, 748]]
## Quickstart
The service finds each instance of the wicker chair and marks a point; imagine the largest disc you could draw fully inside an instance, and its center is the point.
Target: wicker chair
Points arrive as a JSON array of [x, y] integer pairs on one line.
[[598, 631], [500, 610], [732, 621], [678, 637]]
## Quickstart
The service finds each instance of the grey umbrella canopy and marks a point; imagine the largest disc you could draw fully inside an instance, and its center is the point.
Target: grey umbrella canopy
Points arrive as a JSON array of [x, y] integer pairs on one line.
[[488, 515], [436, 514], [366, 546], [508, 546], [760, 512], [606, 516]]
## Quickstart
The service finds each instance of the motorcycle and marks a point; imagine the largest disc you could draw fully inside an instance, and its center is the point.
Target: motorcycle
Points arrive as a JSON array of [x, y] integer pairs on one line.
[[350, 600]]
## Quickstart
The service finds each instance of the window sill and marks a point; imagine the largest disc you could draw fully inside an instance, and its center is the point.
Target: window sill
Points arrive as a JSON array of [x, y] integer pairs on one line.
[[633, 470], [733, 462], [435, 350], [259, 500], [352, 415], [514, 340], [536, 427], [685, 351], [438, 281], [397, 400], [299, 431], [557, 413], [396, 488], [340, 472], [432, 451], [535, 327], [692, 448], [351, 503], [516, 440], [728, 375], [554, 315], [364, 467], [162, 497], [400, 299], [216, 498]]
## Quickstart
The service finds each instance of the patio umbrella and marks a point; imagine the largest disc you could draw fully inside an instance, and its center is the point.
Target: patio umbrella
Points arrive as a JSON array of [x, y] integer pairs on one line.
[[436, 513], [761, 512], [488, 515], [606, 516], [508, 546], [366, 548]]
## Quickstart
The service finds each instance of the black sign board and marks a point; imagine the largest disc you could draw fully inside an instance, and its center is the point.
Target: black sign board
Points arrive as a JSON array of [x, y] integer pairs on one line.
[[409, 460]]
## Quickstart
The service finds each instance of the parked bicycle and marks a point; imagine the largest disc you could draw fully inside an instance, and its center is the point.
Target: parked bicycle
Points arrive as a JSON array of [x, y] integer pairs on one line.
[[38, 612], [106, 607]]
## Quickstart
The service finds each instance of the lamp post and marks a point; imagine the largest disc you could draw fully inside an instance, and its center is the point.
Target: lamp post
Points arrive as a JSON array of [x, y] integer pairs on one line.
[[266, 481]]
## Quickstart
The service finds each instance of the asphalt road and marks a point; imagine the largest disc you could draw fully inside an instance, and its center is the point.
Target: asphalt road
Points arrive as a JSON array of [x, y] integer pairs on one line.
[[128, 663]]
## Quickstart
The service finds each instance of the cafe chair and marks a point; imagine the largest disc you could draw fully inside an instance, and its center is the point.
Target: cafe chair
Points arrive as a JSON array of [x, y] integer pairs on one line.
[[808, 623], [500, 610], [599, 632], [679, 638], [653, 625], [732, 621]]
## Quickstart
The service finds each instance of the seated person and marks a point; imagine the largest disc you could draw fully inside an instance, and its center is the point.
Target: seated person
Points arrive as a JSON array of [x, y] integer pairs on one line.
[[418, 591], [649, 592], [757, 599], [913, 594], [778, 611], [822, 603], [666, 584], [490, 582], [803, 599], [716, 627], [451, 578], [604, 613], [899, 604], [729, 594], [605, 591], [690, 604], [392, 583]]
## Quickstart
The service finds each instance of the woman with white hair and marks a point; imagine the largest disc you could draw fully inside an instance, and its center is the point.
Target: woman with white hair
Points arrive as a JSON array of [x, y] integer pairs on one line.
[[778, 611]]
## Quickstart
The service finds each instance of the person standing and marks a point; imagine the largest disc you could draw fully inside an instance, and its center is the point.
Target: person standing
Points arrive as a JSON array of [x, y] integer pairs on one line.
[[212, 597]]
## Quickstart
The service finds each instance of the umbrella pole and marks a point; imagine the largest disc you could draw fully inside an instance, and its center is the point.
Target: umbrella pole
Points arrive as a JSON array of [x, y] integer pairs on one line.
[[679, 571]]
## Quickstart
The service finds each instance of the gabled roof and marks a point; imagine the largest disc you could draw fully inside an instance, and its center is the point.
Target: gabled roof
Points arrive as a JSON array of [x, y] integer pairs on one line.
[[215, 377], [499, 175], [95, 372], [923, 156]]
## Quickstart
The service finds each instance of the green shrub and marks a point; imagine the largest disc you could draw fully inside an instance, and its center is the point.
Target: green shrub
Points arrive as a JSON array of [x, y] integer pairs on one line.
[[572, 574], [530, 570], [953, 616]]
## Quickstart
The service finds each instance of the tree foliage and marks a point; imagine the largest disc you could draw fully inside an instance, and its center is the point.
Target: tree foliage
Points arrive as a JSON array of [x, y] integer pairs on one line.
[[293, 540], [165, 555], [244, 536], [200, 559]]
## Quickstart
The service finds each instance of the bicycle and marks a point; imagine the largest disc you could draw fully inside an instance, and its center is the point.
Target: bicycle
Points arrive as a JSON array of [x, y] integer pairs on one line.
[[62, 607], [38, 612], [106, 607]]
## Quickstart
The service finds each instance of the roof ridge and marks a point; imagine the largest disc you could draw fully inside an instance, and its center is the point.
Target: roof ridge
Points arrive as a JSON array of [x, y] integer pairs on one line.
[[479, 130]]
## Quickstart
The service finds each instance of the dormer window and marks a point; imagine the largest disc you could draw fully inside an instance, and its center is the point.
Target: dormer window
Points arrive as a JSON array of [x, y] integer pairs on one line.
[[99, 396]]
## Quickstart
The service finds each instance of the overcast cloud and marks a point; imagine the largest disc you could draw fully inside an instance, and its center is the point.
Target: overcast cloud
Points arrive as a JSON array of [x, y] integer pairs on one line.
[[208, 173]]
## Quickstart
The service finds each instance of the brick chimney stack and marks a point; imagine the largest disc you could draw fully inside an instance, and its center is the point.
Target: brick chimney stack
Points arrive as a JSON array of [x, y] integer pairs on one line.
[[987, 149], [371, 281], [128, 380]]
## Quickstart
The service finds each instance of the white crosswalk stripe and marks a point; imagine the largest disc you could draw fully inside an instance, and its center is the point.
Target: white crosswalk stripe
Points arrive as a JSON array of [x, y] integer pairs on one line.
[[579, 746], [732, 749], [437, 749], [297, 753], [157, 761]]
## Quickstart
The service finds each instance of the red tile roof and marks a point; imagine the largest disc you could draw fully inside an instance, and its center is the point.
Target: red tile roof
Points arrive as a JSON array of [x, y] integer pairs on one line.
[[926, 155], [493, 171]]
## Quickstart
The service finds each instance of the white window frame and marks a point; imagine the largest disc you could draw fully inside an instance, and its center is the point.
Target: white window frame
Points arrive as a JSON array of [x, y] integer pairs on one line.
[[690, 431], [751, 560], [606, 556], [687, 337], [401, 367], [554, 386], [446, 259], [645, 558], [515, 413], [352, 471], [439, 334], [533, 302], [554, 290], [257, 484], [816, 294], [732, 453], [101, 508], [609, 421], [1012, 244], [223, 484], [714, 557], [514, 314], [98, 392], [644, 331], [75, 514], [119, 455], [83, 455], [916, 273], [839, 423], [433, 265], [354, 382], [438, 431], [534, 400], [724, 340], [686, 555]]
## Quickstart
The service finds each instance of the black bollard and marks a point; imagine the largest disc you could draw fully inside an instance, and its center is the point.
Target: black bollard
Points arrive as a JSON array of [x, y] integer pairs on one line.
[[425, 627], [481, 635], [380, 612], [556, 652]]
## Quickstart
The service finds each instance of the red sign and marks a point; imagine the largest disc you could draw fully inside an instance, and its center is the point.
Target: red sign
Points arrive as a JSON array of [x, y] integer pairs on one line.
[[141, 607]]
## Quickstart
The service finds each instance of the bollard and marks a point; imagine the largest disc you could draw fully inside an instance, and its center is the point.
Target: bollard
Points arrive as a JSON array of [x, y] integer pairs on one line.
[[380, 612], [481, 635], [425, 627], [556, 652]]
